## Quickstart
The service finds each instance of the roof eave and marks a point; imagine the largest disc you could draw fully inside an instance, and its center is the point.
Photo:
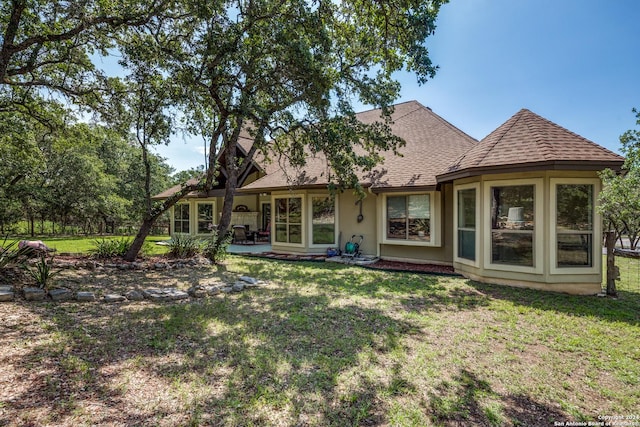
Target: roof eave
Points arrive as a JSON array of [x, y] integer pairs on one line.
[[404, 189], [577, 165], [270, 189]]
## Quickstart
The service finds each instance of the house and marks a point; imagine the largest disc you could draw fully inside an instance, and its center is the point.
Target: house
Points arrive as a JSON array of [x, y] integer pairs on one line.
[[198, 212], [517, 208]]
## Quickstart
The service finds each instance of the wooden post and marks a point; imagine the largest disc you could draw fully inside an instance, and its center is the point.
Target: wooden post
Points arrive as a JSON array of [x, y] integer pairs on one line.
[[611, 263]]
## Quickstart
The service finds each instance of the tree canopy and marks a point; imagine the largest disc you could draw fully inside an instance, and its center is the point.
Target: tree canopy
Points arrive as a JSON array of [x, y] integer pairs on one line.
[[620, 197], [291, 73]]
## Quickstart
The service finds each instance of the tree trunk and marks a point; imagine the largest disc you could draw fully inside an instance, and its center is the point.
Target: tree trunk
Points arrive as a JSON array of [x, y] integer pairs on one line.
[[227, 206], [144, 231], [229, 188]]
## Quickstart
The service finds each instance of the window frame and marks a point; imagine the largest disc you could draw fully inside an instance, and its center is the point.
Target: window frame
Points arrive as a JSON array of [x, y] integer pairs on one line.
[[538, 230], [434, 220], [472, 186], [188, 220], [335, 220], [596, 266], [197, 216], [274, 222]]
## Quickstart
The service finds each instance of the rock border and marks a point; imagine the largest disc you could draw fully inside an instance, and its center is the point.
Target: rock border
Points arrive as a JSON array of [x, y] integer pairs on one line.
[[7, 293], [165, 264]]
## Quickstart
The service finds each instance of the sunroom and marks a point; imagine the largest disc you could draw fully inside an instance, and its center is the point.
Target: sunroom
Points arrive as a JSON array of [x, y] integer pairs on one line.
[[530, 220]]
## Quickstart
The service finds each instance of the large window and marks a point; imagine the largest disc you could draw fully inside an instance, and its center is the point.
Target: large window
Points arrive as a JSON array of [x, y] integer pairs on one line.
[[323, 220], [205, 218], [288, 219], [574, 225], [466, 204], [512, 225], [409, 218], [181, 218]]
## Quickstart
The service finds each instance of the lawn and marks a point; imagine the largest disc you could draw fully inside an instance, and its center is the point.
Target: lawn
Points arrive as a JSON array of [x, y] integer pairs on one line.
[[323, 344], [83, 244]]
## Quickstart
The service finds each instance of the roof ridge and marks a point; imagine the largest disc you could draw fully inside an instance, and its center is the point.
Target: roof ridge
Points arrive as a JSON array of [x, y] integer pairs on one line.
[[543, 146], [410, 112], [444, 121], [392, 105]]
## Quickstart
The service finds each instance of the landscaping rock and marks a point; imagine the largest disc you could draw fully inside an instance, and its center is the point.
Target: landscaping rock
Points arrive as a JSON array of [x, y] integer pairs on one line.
[[33, 294], [175, 294], [253, 285], [60, 294], [226, 289], [161, 266], [165, 294], [213, 290], [134, 295], [237, 287], [114, 298], [6, 293], [197, 291], [202, 260], [85, 296], [248, 279], [91, 265]]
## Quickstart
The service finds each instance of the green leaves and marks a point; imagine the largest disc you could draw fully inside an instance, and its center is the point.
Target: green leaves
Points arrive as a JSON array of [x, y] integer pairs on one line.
[[620, 197]]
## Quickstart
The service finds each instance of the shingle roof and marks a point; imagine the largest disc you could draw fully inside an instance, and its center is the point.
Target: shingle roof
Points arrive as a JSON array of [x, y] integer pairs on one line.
[[527, 140], [245, 141], [432, 144], [173, 190]]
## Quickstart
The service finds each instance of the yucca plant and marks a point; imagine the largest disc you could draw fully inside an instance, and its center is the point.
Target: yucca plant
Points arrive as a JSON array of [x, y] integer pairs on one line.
[[109, 248], [11, 255], [42, 272], [184, 246]]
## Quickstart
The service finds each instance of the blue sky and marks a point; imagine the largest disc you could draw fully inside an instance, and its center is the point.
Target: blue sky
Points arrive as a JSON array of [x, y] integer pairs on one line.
[[574, 62]]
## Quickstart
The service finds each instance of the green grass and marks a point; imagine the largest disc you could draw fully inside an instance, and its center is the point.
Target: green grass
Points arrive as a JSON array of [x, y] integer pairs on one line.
[[83, 244], [629, 274], [322, 345]]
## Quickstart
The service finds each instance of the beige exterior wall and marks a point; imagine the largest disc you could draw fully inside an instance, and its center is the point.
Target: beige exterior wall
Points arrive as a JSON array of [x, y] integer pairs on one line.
[[544, 274], [346, 223], [371, 228], [441, 251], [253, 217], [193, 213], [349, 225]]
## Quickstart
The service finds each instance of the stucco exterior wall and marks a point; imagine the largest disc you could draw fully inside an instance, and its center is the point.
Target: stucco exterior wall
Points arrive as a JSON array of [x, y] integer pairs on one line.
[[442, 253], [349, 225], [579, 280], [253, 203]]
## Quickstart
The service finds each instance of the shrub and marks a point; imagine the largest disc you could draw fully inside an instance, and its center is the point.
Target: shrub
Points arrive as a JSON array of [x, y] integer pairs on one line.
[[184, 246], [42, 272], [11, 255], [217, 253], [109, 248]]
